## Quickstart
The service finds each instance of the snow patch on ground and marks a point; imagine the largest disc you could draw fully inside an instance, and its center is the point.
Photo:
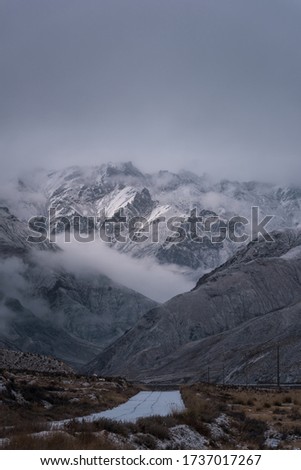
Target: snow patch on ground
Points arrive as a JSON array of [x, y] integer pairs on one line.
[[4, 442], [217, 427], [272, 438], [2, 386], [183, 437], [180, 437]]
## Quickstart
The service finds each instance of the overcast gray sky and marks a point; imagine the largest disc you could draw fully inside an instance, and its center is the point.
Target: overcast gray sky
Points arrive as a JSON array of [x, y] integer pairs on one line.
[[207, 85]]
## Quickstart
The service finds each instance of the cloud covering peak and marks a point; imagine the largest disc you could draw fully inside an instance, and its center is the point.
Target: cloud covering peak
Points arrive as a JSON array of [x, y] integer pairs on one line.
[[208, 86]]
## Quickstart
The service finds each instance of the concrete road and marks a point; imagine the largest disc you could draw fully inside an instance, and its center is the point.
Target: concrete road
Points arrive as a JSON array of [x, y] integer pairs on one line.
[[139, 406], [145, 404]]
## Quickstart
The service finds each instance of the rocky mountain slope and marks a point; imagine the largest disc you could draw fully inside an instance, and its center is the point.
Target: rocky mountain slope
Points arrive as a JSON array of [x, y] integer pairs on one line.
[[48, 309], [112, 190], [26, 331], [14, 234], [231, 323], [18, 360]]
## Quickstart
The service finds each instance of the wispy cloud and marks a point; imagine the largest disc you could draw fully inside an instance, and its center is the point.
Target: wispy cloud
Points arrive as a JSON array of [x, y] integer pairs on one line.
[[159, 282]]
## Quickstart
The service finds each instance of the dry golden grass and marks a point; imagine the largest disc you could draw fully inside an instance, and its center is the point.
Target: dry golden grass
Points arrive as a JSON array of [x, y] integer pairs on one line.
[[252, 412], [228, 417], [60, 441], [31, 401]]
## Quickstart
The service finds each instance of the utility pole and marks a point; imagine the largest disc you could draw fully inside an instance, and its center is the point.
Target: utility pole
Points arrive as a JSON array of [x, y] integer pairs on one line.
[[278, 366], [246, 369], [223, 365]]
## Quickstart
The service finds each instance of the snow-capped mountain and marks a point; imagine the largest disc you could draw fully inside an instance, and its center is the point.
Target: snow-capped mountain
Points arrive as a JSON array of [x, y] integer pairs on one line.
[[47, 308], [121, 190], [74, 314]]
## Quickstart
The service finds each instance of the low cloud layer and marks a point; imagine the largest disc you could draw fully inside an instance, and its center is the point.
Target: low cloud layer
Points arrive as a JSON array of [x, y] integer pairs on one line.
[[158, 282], [14, 284], [12, 280]]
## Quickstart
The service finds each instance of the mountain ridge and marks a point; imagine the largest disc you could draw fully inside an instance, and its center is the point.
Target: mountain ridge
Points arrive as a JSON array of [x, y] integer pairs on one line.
[[102, 191], [46, 309], [258, 290]]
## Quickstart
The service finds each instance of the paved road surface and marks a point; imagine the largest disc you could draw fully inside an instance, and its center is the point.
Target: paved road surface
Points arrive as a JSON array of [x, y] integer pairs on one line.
[[139, 406]]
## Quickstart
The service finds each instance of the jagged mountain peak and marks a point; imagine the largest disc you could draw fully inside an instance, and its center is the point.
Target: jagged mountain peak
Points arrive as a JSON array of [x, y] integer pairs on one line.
[[110, 187], [126, 168]]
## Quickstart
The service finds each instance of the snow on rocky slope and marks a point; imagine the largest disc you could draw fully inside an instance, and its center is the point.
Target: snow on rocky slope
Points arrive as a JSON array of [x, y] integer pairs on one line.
[[47, 309], [232, 322], [18, 360], [55, 308], [105, 190]]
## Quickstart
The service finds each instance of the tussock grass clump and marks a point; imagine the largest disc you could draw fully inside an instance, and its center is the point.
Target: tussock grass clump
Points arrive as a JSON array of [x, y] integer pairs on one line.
[[59, 441], [295, 413], [202, 405], [287, 399], [252, 431], [101, 424], [146, 440], [157, 426]]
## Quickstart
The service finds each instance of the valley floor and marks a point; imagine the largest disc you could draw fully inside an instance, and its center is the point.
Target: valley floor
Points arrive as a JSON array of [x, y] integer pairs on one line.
[[214, 417]]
